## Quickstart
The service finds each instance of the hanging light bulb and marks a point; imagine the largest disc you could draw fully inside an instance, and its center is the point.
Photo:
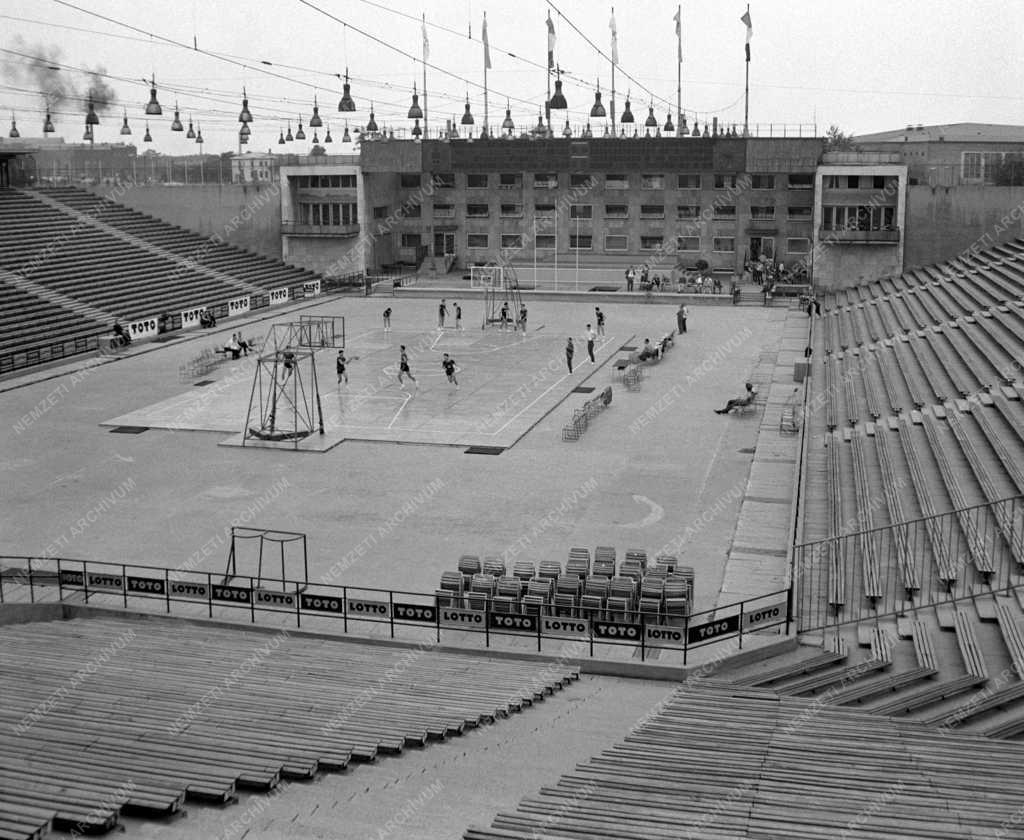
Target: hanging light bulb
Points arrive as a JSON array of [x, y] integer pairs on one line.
[[48, 123], [598, 111], [199, 136], [327, 136], [346, 137], [176, 122], [467, 118], [417, 132], [651, 121], [90, 117], [587, 133], [371, 126], [696, 129], [88, 132], [245, 116], [706, 132], [300, 134], [507, 124], [125, 129], [244, 131], [627, 115], [346, 103], [315, 121], [541, 128], [288, 137], [190, 134], [316, 140], [684, 129], [669, 126], [243, 138], [558, 102], [153, 108], [14, 134], [280, 140], [147, 137], [567, 131], [415, 111]]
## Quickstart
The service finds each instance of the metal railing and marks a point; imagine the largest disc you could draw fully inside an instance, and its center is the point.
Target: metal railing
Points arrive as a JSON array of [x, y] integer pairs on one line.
[[357, 609], [869, 574]]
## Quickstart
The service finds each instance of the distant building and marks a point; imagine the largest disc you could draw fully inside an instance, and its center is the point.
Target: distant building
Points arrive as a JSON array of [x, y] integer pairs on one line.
[[253, 168]]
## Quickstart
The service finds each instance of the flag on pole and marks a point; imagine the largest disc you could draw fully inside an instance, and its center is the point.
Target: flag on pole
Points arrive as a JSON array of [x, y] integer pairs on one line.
[[551, 43], [487, 46], [426, 43], [679, 30], [750, 30], [615, 39]]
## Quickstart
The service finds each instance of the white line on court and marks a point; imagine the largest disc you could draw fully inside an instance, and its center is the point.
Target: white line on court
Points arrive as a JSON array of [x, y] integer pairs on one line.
[[399, 410]]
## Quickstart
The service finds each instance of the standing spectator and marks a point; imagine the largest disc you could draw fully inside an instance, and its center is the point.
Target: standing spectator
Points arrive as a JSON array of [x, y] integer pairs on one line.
[[681, 315], [591, 338], [570, 351], [817, 306], [387, 319], [644, 273], [600, 320], [629, 279], [442, 311]]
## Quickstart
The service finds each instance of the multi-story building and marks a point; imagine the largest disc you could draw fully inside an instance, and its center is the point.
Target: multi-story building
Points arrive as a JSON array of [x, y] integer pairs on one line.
[[253, 168]]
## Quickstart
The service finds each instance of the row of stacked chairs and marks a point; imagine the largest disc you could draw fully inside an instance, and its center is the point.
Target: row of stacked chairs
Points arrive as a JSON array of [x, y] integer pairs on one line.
[[597, 587]]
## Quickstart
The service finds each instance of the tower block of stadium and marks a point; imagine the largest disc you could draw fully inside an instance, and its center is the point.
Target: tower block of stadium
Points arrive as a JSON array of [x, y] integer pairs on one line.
[[501, 288]]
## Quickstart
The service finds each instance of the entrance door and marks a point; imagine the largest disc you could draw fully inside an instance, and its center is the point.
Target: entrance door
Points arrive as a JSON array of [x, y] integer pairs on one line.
[[762, 246], [444, 244]]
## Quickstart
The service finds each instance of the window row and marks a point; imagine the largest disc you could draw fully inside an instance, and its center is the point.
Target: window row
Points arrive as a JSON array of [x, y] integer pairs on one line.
[[334, 214], [862, 217], [618, 181], [855, 182], [615, 211], [323, 182], [585, 242]]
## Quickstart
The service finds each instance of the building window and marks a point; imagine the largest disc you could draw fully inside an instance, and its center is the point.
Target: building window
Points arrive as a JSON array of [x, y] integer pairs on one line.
[[652, 211], [688, 243], [544, 211], [725, 182], [445, 181], [581, 211], [346, 182], [380, 212], [652, 182], [798, 245], [409, 180], [476, 180], [724, 244], [545, 241], [477, 240], [616, 182], [410, 240], [511, 240], [477, 211], [616, 211], [762, 213], [616, 243], [971, 166], [762, 182], [688, 211], [862, 217], [510, 181], [444, 211], [545, 181], [579, 179], [651, 243], [801, 181], [832, 182], [878, 182], [725, 211], [992, 162], [412, 211], [799, 214], [581, 242], [689, 181], [511, 211]]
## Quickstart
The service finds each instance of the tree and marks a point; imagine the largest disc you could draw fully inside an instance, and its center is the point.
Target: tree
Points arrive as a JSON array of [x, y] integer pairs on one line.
[[837, 141], [317, 151]]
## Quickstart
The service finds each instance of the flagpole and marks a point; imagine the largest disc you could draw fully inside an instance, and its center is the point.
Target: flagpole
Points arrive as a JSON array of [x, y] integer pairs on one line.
[[613, 83], [746, 84], [679, 70], [425, 135], [486, 57]]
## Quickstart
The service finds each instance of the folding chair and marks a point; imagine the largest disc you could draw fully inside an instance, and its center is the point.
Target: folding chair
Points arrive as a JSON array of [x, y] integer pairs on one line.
[[494, 565], [469, 565], [525, 571], [551, 569]]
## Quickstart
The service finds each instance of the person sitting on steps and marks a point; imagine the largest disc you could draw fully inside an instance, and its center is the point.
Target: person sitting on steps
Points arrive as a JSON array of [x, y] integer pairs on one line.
[[737, 402]]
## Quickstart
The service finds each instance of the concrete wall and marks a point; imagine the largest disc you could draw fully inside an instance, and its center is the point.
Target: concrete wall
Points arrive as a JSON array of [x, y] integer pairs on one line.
[[244, 215], [943, 222]]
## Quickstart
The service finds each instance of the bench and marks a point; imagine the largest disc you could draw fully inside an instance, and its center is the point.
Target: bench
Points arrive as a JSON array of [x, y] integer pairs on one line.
[[974, 660], [789, 419], [1012, 637], [802, 668], [813, 684]]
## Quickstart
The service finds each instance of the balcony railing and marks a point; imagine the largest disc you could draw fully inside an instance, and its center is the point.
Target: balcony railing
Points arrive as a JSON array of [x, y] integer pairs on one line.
[[296, 229], [866, 237]]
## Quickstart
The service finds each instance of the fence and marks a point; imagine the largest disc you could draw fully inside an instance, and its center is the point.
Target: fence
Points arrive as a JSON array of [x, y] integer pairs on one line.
[[926, 561], [356, 609]]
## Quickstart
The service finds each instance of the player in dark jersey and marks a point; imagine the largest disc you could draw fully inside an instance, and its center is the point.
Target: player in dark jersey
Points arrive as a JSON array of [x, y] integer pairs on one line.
[[458, 316], [387, 319], [504, 316], [403, 367], [600, 320], [339, 365], [449, 369], [522, 317], [442, 311]]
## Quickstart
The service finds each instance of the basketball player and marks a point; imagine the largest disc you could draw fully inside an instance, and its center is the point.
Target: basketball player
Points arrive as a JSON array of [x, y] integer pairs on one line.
[[339, 365], [522, 317], [600, 320], [504, 316], [387, 319], [570, 351], [591, 338], [458, 316], [449, 369], [442, 311], [403, 367]]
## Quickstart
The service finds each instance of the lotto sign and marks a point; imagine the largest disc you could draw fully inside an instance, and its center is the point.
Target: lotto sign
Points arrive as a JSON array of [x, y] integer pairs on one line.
[[311, 289], [415, 612], [72, 578], [615, 630], [658, 636], [105, 582], [322, 603], [564, 626], [513, 623], [189, 591], [278, 296], [190, 317], [463, 619], [714, 629], [146, 586], [235, 594], [239, 306], [146, 328], [765, 616], [367, 609], [272, 598]]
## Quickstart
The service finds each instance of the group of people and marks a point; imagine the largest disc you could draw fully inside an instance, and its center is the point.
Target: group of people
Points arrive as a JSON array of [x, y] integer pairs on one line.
[[237, 345], [442, 313], [591, 338]]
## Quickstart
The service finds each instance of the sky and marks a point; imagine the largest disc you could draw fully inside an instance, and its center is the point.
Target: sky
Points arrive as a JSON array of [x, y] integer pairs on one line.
[[871, 66]]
